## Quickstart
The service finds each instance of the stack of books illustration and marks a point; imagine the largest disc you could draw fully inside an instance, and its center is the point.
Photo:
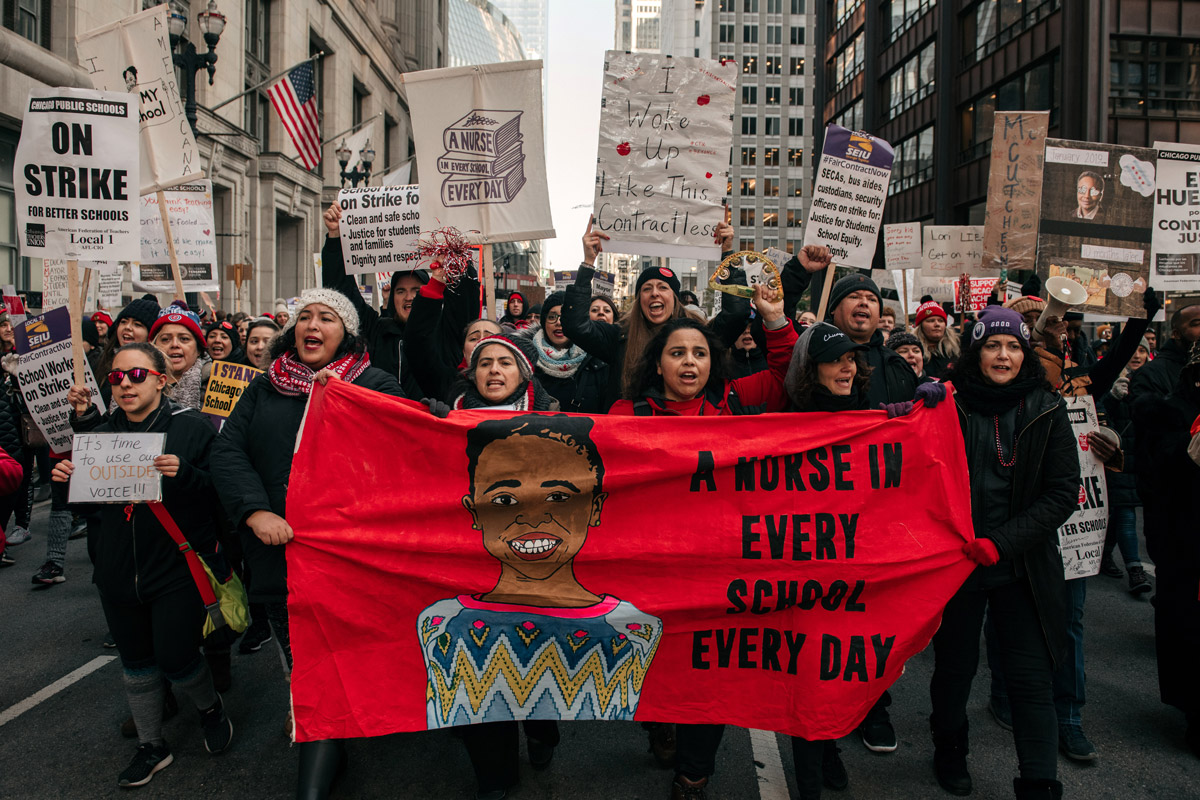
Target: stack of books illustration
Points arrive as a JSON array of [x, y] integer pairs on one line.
[[484, 159]]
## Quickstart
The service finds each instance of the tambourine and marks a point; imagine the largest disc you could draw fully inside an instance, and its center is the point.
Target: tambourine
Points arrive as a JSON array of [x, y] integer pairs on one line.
[[758, 269]]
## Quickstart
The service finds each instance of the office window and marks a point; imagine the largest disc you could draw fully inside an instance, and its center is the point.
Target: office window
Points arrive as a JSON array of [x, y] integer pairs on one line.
[[749, 156], [914, 161], [794, 220], [911, 81], [772, 126], [749, 65], [750, 34], [771, 157], [770, 218], [847, 63], [256, 108], [794, 186], [797, 35], [696, 32], [899, 16], [30, 19], [797, 66], [795, 156], [774, 65], [796, 96], [725, 33], [750, 6], [750, 95], [773, 95], [746, 244], [770, 187], [774, 6], [1036, 89], [843, 9], [797, 6], [729, 5], [796, 126], [748, 185], [1148, 78], [749, 126], [746, 217], [774, 34]]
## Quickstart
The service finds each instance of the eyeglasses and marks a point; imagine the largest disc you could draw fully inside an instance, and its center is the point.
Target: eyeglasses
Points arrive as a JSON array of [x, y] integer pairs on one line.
[[553, 317], [136, 375]]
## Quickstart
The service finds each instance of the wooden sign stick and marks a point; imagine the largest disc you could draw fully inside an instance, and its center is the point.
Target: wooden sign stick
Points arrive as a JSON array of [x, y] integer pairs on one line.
[[904, 289], [75, 308], [162, 212], [87, 278], [489, 285], [827, 285]]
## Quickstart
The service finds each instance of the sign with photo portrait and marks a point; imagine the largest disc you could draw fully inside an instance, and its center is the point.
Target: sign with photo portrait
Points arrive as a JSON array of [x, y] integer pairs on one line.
[[1095, 225]]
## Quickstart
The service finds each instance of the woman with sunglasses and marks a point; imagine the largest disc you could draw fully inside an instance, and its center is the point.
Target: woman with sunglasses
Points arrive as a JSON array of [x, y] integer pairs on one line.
[[255, 449], [150, 600]]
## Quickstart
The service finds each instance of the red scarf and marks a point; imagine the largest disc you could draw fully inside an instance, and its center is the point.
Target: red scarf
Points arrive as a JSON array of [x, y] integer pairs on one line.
[[294, 379]]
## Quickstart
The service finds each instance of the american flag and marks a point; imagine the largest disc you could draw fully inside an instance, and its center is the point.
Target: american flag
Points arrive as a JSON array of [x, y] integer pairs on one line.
[[296, 105]]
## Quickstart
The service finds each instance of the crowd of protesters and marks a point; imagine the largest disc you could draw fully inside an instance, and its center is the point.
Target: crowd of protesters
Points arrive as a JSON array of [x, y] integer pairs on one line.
[[1010, 365]]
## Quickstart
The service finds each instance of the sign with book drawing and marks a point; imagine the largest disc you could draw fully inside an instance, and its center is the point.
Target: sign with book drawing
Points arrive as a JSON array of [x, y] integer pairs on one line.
[[480, 150]]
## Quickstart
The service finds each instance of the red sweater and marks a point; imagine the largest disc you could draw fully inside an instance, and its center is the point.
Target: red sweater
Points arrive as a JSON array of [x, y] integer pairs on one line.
[[763, 389]]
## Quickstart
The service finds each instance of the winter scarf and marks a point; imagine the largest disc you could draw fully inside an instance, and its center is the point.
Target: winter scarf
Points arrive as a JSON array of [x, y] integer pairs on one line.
[[825, 400], [292, 378], [529, 396], [977, 395], [188, 391], [555, 362]]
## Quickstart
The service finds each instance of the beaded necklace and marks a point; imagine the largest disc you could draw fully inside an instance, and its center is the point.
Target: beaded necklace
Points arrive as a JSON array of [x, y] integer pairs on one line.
[[1013, 449]]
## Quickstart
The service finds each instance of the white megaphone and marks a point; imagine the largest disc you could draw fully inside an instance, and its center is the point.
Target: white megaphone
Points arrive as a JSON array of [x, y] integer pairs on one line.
[[1061, 294]]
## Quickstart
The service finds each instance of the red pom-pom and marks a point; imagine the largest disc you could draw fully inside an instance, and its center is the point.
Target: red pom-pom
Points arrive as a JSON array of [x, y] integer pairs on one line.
[[448, 248]]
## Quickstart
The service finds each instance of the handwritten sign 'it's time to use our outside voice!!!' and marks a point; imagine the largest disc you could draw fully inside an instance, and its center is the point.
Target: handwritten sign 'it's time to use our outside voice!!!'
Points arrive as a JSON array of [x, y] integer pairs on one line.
[[116, 468]]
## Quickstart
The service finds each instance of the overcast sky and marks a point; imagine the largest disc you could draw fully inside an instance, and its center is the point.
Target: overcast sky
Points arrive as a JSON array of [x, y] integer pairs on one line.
[[580, 32]]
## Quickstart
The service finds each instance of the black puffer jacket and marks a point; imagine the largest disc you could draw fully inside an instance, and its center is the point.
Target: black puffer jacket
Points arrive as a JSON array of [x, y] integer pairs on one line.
[[606, 341], [253, 455], [1160, 375], [1044, 493], [136, 560], [383, 333], [10, 418]]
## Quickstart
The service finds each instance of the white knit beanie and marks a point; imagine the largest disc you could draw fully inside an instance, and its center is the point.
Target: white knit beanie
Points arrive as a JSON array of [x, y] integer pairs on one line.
[[340, 304]]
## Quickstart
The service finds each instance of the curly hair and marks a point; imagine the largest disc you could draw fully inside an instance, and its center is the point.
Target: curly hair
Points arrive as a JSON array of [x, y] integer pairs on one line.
[[801, 393], [645, 374]]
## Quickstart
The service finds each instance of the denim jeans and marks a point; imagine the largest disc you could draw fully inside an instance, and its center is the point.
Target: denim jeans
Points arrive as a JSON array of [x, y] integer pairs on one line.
[[1069, 676], [1122, 526]]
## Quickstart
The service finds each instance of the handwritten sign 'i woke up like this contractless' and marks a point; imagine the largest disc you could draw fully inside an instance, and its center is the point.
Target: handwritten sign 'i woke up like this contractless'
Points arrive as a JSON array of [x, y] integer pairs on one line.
[[662, 163]]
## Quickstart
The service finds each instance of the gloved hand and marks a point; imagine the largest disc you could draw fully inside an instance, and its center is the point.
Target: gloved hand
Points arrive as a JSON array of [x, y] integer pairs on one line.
[[1151, 303], [436, 407], [982, 552], [897, 409], [931, 393]]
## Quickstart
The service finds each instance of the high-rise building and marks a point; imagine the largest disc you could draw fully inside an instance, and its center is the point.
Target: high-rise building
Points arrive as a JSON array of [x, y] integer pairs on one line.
[[928, 77], [532, 18], [773, 125]]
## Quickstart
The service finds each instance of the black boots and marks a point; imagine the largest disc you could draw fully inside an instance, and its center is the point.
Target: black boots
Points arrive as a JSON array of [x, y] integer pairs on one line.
[[320, 765], [950, 761], [1037, 789]]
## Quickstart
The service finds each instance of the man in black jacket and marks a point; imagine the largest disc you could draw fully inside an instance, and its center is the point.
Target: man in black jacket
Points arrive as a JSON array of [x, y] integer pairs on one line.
[[1160, 375], [854, 304]]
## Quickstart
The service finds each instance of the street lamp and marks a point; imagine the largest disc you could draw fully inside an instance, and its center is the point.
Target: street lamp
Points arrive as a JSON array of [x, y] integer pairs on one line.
[[188, 61], [366, 157]]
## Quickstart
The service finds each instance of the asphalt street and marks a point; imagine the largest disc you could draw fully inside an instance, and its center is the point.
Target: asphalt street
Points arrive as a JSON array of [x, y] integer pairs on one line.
[[65, 742]]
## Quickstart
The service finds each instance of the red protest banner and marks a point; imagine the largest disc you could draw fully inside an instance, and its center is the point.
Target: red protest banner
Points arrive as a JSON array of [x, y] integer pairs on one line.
[[772, 572]]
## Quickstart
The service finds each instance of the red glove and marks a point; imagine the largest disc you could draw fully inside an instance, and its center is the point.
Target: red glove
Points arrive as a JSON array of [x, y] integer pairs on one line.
[[982, 552]]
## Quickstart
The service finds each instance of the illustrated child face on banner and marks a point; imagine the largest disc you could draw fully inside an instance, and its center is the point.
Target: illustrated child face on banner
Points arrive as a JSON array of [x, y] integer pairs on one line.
[[536, 489]]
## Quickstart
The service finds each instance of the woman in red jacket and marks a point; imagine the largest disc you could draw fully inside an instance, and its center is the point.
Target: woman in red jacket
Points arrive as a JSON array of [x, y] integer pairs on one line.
[[683, 371]]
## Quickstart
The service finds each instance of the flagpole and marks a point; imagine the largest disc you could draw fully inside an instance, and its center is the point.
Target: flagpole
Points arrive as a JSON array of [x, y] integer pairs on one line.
[[268, 80], [352, 129]]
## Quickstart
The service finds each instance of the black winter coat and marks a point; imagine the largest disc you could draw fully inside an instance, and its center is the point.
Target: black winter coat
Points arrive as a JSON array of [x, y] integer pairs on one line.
[[585, 392], [136, 560], [253, 458], [1160, 375], [1122, 486], [747, 362], [10, 418], [384, 334], [606, 341], [1044, 493], [433, 338], [1172, 480]]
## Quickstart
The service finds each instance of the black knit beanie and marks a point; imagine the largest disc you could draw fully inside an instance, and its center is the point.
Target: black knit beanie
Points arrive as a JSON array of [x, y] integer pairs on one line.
[[141, 310]]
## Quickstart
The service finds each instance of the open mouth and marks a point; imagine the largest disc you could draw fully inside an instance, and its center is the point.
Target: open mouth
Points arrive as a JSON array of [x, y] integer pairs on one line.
[[688, 377], [534, 547], [657, 307], [312, 343]]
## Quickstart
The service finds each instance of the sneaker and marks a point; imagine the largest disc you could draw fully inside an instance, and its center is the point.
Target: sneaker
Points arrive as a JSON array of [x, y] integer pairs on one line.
[[877, 732], [1001, 712], [1139, 581], [255, 637], [79, 530], [833, 771], [683, 789], [1074, 745], [109, 642], [1108, 566], [218, 730], [148, 760], [6, 560], [49, 574], [18, 535]]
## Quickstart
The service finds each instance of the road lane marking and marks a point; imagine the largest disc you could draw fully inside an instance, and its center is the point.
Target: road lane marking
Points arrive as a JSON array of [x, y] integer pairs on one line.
[[772, 785], [12, 712]]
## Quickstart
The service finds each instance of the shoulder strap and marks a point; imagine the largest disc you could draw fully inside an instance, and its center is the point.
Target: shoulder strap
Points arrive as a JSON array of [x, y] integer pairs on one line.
[[641, 408], [199, 576]]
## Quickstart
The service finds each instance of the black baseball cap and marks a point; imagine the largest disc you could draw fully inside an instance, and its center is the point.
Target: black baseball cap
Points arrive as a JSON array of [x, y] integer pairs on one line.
[[827, 344]]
